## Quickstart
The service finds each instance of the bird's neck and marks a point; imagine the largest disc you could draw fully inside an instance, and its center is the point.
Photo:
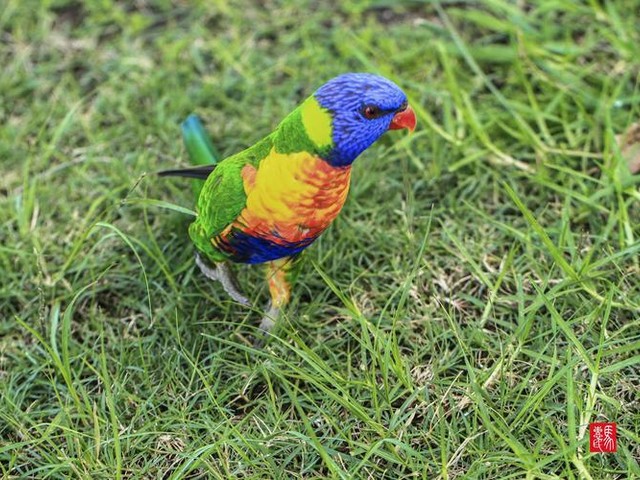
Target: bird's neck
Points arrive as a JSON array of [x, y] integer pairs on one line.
[[309, 128]]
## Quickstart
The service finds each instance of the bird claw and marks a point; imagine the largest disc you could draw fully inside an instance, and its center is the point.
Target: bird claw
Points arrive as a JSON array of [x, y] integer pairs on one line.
[[267, 323], [269, 319], [223, 274]]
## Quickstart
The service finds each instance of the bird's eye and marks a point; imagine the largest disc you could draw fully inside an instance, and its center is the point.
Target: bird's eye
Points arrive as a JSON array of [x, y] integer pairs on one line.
[[371, 112]]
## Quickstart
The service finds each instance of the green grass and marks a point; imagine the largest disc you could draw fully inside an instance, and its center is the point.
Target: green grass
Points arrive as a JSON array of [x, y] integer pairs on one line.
[[473, 308]]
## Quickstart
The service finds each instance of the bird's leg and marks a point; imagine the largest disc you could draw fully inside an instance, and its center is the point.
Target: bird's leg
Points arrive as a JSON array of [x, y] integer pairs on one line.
[[222, 273], [279, 279]]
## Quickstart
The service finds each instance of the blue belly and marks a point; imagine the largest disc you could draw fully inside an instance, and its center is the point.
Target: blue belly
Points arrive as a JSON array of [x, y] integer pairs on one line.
[[244, 248]]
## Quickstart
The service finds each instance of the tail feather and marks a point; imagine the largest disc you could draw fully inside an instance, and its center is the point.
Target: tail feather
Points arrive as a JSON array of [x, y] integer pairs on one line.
[[202, 172], [199, 145], [201, 152]]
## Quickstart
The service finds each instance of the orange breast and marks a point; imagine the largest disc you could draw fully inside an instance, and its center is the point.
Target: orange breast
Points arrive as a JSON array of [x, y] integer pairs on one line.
[[292, 198]]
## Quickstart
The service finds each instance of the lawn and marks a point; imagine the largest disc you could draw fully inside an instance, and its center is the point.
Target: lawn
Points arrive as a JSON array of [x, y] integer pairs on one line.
[[471, 311]]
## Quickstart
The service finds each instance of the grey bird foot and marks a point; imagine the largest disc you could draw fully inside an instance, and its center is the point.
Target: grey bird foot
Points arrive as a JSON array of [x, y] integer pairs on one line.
[[268, 321], [223, 274]]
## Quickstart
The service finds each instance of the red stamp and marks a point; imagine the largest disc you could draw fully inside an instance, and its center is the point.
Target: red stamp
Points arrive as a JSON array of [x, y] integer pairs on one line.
[[602, 438]]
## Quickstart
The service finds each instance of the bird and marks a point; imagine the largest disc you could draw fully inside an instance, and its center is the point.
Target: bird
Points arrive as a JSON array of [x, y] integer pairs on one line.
[[269, 202]]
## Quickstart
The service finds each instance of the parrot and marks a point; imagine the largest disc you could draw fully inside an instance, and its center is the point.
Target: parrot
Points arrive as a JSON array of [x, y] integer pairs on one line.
[[268, 203]]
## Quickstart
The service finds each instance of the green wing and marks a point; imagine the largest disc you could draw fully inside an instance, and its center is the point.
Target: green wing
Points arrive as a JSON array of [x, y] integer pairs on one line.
[[223, 198]]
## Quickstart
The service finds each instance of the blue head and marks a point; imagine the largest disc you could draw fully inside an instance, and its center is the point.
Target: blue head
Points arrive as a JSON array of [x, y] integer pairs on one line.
[[363, 106]]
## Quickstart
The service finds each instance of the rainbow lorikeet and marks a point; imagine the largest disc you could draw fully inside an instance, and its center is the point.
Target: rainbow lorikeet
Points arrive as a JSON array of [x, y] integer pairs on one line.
[[269, 202]]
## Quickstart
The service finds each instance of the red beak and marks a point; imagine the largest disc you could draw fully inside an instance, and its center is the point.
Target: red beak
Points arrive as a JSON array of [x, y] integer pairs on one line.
[[404, 119]]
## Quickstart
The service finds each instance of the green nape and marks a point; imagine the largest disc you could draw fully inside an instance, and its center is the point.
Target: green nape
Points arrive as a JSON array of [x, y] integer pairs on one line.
[[292, 136]]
